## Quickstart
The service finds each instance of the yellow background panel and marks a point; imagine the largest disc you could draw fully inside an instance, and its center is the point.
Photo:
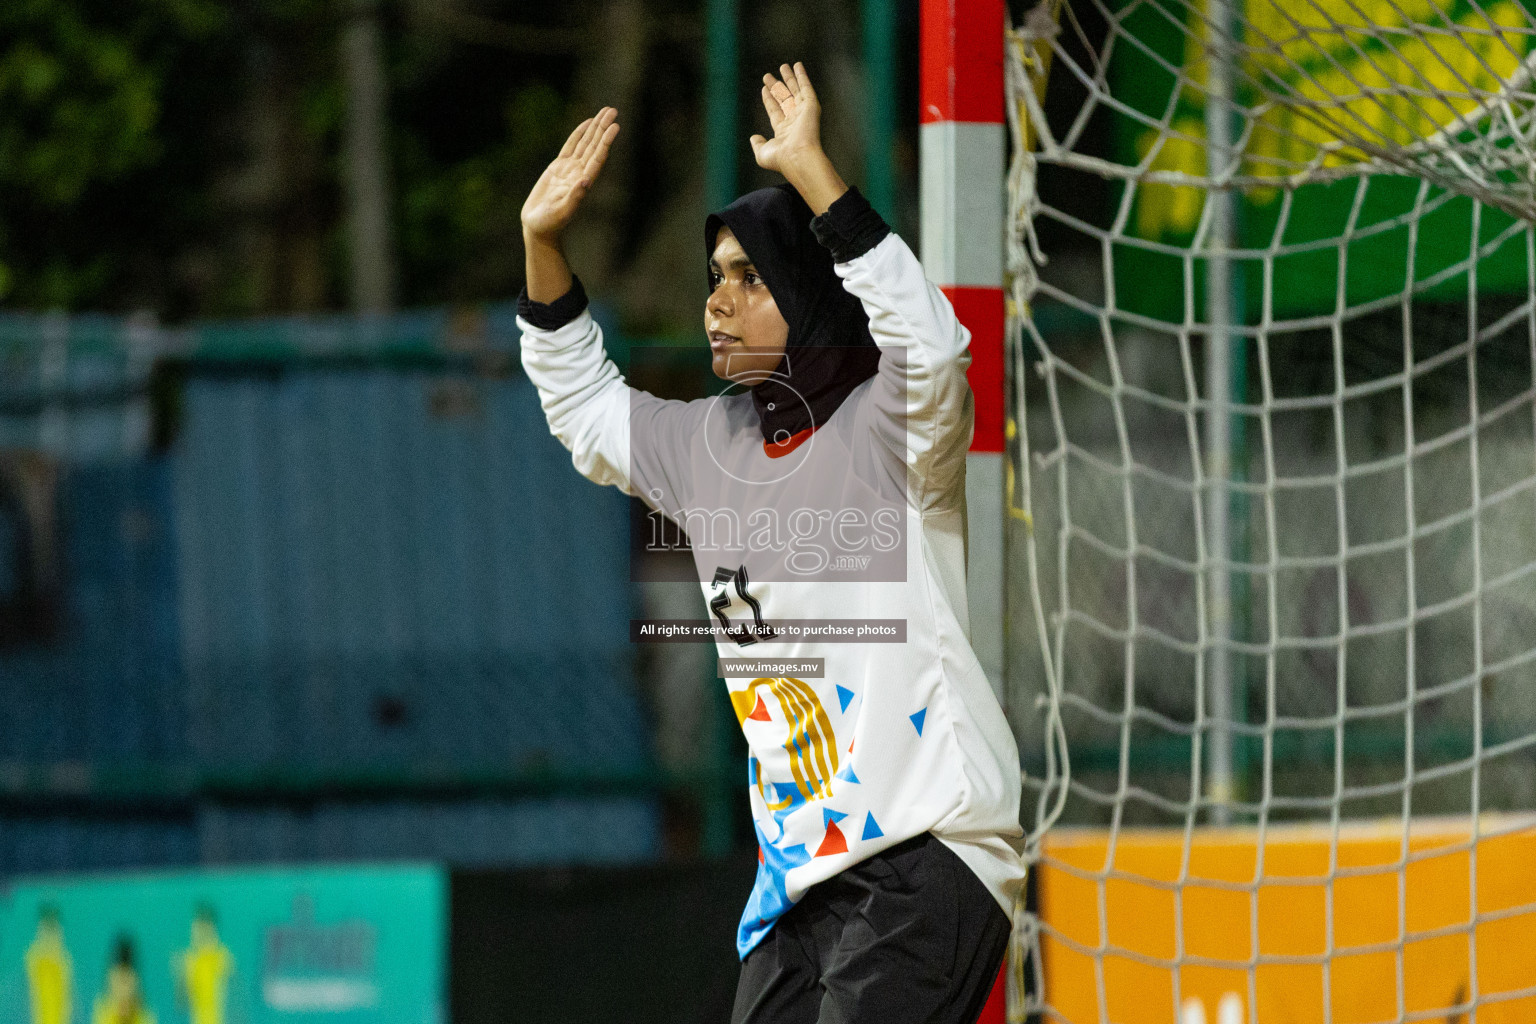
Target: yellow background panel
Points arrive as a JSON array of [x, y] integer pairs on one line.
[[1392, 927]]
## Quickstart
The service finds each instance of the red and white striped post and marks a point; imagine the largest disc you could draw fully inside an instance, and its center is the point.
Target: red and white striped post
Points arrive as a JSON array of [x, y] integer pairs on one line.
[[962, 141]]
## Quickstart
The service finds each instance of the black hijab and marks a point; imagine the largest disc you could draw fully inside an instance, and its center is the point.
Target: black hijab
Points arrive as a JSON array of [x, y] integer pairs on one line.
[[829, 351]]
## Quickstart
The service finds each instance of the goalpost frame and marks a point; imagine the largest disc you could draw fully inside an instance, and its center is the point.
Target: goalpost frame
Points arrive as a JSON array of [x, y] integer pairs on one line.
[[963, 145]]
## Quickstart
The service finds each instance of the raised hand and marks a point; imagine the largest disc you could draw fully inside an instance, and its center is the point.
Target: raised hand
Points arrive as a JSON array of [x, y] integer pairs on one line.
[[565, 182], [795, 114], [795, 149]]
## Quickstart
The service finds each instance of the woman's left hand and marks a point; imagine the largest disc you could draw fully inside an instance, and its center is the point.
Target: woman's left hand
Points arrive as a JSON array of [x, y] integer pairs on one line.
[[795, 114]]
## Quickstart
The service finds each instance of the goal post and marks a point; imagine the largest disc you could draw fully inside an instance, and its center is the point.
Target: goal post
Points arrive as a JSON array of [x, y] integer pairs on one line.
[[1270, 285], [962, 142]]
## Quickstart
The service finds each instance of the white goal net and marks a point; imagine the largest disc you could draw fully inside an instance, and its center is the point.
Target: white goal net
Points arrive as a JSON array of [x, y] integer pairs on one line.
[[1272, 340]]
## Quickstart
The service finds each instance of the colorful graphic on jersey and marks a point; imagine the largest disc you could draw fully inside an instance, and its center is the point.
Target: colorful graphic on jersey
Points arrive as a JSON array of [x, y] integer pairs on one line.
[[811, 746], [784, 798], [833, 842], [769, 897]]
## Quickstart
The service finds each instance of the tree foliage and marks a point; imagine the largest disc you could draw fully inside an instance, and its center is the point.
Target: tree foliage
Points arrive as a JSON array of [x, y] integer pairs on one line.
[[85, 86], [184, 156]]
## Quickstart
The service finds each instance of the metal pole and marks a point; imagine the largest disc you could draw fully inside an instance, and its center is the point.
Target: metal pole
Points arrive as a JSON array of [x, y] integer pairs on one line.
[[720, 98], [879, 18], [962, 149], [367, 166], [1218, 419], [720, 182]]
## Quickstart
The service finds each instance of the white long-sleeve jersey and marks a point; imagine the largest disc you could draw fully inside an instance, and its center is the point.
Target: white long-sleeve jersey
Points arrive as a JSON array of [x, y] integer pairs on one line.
[[894, 739]]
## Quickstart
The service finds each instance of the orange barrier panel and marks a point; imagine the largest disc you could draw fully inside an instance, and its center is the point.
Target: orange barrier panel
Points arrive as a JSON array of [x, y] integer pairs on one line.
[[1391, 927]]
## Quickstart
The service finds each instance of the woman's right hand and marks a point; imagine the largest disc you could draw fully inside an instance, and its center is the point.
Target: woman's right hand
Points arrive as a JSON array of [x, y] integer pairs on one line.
[[564, 183]]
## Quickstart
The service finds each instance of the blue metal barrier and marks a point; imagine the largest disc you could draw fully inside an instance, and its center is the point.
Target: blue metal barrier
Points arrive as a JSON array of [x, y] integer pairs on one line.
[[362, 593]]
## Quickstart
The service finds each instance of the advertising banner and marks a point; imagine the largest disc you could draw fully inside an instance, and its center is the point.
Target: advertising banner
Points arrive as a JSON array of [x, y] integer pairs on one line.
[[1327, 230], [282, 946]]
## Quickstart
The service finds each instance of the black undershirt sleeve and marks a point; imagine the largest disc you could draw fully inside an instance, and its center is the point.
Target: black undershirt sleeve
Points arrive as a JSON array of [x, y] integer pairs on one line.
[[551, 316], [850, 227]]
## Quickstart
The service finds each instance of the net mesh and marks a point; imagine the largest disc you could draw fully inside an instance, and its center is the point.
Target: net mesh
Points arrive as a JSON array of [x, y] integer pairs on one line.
[[1272, 334]]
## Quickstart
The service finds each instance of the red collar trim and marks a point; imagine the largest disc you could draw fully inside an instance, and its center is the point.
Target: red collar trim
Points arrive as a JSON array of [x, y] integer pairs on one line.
[[778, 451]]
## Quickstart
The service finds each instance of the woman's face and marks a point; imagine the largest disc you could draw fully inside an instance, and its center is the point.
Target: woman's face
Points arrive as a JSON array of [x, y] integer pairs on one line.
[[747, 333]]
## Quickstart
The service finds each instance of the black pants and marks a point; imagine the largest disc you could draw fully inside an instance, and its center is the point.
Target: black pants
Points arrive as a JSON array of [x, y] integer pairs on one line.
[[909, 936]]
